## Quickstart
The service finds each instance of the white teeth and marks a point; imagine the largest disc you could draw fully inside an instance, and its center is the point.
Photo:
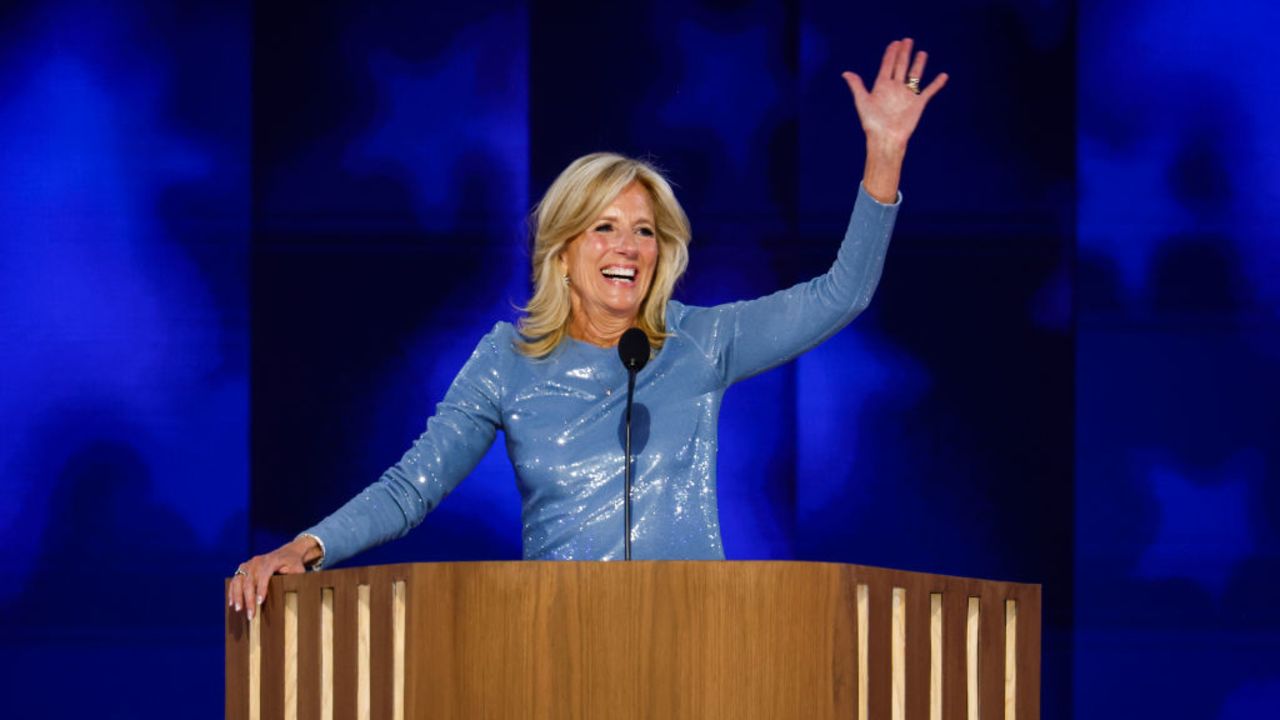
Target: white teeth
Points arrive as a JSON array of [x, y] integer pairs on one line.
[[621, 273]]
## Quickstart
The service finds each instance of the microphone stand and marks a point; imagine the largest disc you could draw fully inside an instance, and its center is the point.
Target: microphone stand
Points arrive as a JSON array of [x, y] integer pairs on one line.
[[633, 350], [626, 497]]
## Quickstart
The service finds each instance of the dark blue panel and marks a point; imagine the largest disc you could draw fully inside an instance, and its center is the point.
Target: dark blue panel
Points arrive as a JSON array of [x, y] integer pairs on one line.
[[388, 238]]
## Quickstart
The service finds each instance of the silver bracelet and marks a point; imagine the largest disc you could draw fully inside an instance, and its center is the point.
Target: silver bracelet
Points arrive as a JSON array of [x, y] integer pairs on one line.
[[318, 563]]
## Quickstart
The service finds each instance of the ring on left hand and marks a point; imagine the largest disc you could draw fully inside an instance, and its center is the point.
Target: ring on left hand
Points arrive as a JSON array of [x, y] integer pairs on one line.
[[240, 571], [913, 84]]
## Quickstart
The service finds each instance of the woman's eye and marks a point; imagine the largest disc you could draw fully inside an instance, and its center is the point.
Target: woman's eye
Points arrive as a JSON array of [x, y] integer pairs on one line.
[[604, 227], [647, 232]]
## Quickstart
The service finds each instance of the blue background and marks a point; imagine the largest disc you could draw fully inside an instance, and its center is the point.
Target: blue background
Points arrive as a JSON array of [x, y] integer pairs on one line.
[[245, 247]]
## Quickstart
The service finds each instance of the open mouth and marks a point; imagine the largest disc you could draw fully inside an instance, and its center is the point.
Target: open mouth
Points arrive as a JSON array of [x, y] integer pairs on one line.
[[620, 274]]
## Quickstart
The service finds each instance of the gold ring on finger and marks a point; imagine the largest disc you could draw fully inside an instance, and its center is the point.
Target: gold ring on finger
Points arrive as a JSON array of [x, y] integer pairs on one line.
[[913, 84]]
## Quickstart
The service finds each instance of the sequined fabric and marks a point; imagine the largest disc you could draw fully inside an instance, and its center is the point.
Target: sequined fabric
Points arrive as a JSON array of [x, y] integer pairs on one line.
[[562, 417]]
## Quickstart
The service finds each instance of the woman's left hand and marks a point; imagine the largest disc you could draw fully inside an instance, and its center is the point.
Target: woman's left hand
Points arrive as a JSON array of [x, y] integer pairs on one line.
[[891, 110]]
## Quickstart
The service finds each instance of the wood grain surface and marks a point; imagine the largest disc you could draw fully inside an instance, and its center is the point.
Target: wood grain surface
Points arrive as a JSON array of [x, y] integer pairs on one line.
[[635, 640]]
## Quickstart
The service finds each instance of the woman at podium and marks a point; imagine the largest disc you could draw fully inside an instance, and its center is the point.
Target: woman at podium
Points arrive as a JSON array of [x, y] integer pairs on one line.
[[611, 240]]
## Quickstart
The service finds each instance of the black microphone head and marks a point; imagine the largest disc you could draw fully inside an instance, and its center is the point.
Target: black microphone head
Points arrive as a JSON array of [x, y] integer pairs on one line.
[[633, 348]]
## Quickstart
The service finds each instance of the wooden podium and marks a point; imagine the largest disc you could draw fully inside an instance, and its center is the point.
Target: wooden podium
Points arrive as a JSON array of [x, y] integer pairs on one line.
[[636, 640]]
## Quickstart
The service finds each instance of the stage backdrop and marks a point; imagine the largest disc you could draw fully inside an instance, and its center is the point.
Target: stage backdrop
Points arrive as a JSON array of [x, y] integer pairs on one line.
[[397, 154], [1178, 361], [246, 248], [124, 353]]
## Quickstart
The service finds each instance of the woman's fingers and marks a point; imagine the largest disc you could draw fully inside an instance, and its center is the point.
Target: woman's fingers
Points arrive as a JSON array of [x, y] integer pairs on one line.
[[237, 589], [260, 587], [888, 61], [900, 62], [934, 86], [247, 590], [917, 66], [856, 87]]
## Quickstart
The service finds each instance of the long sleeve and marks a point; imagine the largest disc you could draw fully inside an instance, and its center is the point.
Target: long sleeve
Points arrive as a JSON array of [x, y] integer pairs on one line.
[[749, 337], [456, 438]]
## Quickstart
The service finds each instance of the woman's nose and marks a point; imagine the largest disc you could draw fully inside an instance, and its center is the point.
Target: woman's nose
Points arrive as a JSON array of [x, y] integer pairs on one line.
[[629, 245]]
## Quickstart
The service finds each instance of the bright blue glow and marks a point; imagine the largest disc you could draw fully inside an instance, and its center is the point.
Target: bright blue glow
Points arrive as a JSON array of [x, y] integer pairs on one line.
[[123, 365], [111, 321], [844, 388]]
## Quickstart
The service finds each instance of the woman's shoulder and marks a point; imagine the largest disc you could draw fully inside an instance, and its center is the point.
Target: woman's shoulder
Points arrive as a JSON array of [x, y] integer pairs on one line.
[[501, 340], [504, 339], [502, 330], [677, 313], [694, 320]]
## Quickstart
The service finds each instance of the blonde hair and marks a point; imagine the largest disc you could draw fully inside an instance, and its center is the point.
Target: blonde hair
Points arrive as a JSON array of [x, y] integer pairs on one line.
[[573, 202]]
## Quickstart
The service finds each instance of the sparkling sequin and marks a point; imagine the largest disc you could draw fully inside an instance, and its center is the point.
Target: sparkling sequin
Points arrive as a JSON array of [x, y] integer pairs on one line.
[[563, 421]]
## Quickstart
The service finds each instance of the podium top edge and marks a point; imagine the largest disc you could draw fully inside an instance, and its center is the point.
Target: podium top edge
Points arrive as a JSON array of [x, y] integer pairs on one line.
[[406, 569]]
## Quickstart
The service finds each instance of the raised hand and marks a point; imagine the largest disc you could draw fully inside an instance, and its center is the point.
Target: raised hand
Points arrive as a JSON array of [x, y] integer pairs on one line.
[[891, 110], [889, 113]]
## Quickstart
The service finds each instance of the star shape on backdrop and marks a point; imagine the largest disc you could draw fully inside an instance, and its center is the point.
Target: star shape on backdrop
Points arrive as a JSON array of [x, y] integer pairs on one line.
[[468, 105], [1129, 230], [1203, 529], [727, 87]]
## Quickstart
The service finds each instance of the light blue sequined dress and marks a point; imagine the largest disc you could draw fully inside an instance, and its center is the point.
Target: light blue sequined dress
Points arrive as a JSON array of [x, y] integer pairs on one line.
[[562, 418]]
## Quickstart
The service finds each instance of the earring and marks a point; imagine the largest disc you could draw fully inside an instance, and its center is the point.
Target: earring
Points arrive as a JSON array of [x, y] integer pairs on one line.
[[566, 280]]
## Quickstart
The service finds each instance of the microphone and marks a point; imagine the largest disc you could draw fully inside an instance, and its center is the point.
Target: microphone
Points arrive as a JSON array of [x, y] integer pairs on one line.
[[633, 349]]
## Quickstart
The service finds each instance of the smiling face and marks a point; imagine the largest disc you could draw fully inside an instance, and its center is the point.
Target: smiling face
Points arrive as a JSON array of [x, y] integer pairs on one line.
[[611, 265]]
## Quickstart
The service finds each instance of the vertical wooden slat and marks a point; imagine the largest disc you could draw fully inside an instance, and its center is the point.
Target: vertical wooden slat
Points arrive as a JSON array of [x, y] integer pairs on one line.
[[898, 655], [918, 594], [991, 663], [326, 654], [864, 623], [363, 647], [344, 651], [879, 678], [955, 611], [272, 656], [255, 667], [291, 656], [1029, 653], [308, 650], [381, 684], [1010, 660], [935, 656], [236, 647], [844, 644], [399, 598], [972, 658]]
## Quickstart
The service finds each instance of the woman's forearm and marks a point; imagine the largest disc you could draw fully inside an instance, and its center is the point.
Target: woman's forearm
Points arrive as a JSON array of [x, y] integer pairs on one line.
[[884, 168]]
